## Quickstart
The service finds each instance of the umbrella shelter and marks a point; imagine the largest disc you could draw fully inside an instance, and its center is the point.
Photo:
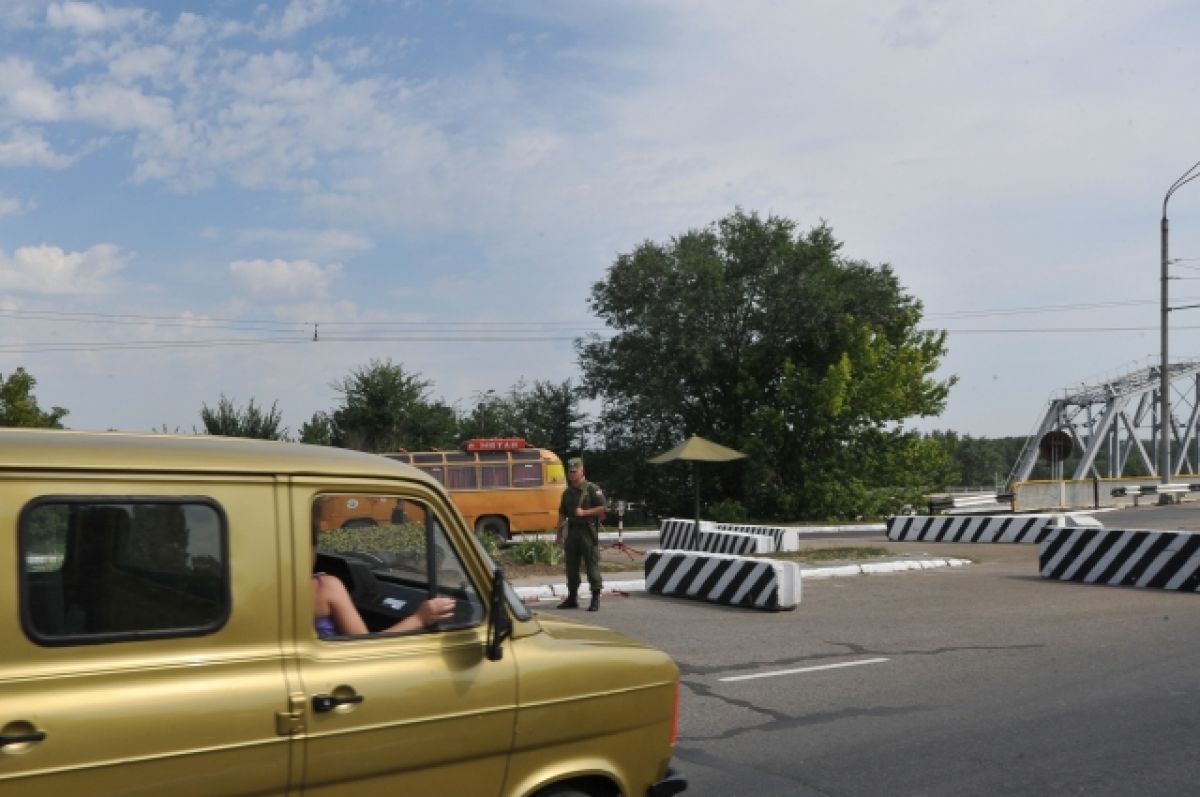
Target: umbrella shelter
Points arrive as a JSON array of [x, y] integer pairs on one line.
[[697, 449]]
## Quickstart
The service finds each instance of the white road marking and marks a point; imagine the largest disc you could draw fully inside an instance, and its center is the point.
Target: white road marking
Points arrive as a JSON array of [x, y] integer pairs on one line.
[[803, 669]]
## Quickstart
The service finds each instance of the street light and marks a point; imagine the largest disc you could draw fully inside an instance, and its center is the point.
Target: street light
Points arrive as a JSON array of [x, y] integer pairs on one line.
[[1164, 381]]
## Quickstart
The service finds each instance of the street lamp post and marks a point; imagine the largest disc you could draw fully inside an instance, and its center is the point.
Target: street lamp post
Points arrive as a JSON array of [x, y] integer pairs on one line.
[[1164, 379]]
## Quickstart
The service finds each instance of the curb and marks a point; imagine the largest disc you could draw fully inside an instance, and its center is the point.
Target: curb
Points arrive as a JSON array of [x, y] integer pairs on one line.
[[534, 594]]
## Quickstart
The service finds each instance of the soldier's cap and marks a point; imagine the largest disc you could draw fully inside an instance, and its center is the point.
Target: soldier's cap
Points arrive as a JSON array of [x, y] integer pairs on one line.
[[574, 463]]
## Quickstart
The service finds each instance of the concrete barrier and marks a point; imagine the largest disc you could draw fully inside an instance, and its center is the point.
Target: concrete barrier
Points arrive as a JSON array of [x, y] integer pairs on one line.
[[733, 542], [1132, 558], [677, 534], [983, 528], [783, 537], [680, 535], [730, 580]]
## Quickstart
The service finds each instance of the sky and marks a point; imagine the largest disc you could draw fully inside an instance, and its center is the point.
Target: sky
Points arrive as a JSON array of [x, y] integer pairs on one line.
[[255, 199]]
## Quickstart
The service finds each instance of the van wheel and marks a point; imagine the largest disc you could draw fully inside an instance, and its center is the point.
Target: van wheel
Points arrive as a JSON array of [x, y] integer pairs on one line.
[[495, 527]]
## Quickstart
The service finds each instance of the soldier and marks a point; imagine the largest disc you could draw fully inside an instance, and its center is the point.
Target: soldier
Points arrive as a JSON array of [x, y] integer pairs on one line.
[[579, 511]]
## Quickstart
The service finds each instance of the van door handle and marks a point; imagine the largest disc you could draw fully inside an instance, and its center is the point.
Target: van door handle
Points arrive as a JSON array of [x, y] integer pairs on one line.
[[323, 703], [21, 738]]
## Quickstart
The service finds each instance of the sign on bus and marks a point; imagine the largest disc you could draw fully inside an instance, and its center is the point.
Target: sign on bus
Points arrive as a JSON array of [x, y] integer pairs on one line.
[[495, 444]]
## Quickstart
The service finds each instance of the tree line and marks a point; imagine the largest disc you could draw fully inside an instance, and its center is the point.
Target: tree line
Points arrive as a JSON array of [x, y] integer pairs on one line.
[[748, 331]]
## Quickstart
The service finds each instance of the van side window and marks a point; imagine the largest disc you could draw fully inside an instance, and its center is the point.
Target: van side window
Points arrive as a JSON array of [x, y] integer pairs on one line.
[[390, 566], [99, 571]]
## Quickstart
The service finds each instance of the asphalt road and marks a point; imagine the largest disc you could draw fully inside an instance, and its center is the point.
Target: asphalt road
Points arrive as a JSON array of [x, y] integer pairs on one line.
[[981, 680]]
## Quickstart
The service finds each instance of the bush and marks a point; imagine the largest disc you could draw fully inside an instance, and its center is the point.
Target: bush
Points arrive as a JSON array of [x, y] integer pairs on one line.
[[488, 541], [386, 541], [534, 552], [729, 511]]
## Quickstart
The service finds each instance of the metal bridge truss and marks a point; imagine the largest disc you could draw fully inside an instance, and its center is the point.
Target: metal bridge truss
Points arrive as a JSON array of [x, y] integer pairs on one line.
[[1120, 418]]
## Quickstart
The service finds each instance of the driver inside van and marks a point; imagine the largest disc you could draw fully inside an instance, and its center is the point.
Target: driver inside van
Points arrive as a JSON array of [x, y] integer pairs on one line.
[[334, 612]]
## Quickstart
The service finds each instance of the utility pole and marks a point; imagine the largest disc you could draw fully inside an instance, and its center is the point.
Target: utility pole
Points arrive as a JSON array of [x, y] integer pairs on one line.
[[1164, 379]]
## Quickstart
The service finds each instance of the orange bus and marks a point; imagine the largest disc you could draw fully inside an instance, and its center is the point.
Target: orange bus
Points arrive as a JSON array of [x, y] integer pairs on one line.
[[501, 486]]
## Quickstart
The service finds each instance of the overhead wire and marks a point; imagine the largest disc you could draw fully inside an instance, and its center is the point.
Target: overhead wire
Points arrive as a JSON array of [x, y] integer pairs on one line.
[[277, 332]]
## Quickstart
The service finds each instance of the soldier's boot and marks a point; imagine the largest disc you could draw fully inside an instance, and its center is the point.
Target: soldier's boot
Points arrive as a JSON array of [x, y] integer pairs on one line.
[[570, 602], [594, 606]]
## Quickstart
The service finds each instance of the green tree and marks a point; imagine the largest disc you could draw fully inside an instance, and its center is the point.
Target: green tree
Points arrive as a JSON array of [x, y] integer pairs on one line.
[[19, 407], [548, 414], [253, 421], [318, 430], [385, 408], [492, 416], [772, 342]]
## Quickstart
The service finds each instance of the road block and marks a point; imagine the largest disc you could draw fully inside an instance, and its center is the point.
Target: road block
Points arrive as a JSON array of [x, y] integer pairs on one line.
[[1167, 560], [718, 578], [984, 528], [783, 537], [678, 534]]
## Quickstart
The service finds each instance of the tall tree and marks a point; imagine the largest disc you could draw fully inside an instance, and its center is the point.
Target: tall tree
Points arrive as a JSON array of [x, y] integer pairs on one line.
[[385, 408], [318, 430], [19, 407], [769, 341], [253, 421], [548, 414]]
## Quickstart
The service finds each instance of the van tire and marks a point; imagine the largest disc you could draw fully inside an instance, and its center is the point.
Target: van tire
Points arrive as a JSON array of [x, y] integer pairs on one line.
[[495, 527]]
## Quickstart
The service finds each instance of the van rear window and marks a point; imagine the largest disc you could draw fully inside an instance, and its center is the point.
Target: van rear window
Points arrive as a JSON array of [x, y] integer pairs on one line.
[[97, 570]]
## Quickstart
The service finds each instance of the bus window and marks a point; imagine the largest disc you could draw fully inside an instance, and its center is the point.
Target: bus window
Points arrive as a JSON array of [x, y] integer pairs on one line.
[[527, 474], [494, 475], [460, 477], [436, 471], [498, 483]]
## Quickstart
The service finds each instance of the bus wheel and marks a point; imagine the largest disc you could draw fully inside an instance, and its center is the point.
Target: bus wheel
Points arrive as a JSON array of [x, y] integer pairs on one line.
[[496, 527]]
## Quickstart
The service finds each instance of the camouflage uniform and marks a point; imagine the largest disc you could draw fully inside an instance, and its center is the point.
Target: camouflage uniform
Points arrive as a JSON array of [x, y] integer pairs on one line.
[[582, 541]]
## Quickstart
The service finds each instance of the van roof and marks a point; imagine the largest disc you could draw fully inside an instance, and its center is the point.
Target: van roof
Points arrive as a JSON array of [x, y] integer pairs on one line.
[[43, 449]]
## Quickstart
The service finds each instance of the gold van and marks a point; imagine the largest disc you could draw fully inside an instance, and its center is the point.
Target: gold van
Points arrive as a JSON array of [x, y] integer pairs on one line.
[[160, 637]]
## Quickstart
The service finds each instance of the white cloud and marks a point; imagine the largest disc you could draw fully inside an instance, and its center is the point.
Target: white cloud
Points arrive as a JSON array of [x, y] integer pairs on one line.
[[300, 14], [121, 108], [11, 206], [324, 244], [284, 281], [27, 95], [91, 18], [25, 147], [48, 269], [142, 63]]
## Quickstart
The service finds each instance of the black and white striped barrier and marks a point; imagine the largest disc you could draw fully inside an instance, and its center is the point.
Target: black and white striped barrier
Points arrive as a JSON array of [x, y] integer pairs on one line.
[[1153, 559], [730, 580], [982, 528], [1153, 489], [677, 534], [783, 538]]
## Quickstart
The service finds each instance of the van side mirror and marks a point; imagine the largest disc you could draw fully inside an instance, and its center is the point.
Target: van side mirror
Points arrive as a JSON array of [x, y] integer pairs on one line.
[[499, 623]]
